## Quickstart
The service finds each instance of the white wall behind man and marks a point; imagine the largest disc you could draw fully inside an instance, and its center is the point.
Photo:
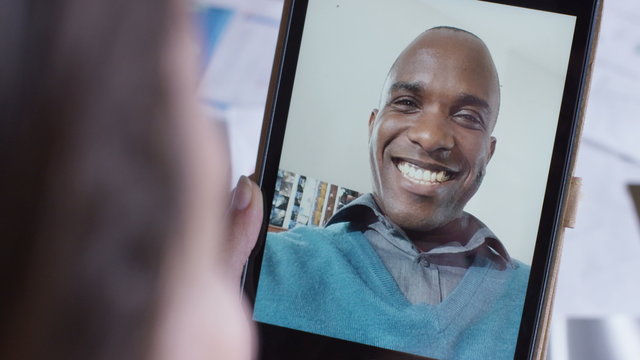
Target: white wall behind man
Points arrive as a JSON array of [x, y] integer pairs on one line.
[[345, 55]]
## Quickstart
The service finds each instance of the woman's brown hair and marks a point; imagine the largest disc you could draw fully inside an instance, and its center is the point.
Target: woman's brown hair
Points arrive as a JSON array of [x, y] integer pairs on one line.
[[88, 184]]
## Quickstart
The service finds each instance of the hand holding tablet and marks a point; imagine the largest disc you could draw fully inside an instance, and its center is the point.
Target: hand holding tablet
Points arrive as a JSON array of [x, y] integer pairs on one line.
[[427, 228]]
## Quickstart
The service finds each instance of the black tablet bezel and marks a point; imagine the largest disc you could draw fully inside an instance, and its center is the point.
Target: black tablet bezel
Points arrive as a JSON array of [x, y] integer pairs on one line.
[[585, 11]]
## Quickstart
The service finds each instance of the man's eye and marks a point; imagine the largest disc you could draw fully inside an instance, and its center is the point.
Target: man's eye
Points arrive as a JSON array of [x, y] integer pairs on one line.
[[405, 104], [469, 119]]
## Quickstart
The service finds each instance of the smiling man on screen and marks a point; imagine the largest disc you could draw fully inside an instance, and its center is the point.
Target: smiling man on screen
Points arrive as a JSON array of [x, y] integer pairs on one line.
[[405, 268]]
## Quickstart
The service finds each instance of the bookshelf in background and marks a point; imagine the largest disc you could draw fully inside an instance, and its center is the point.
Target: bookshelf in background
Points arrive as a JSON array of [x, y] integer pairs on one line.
[[300, 200]]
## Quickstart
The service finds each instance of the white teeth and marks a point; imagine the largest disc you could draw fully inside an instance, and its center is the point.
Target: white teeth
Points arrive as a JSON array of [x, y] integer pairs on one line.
[[420, 175]]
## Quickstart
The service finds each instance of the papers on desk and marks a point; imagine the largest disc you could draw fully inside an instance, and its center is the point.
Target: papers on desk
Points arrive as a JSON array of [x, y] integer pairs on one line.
[[236, 78], [611, 338], [615, 91], [599, 274], [240, 68], [268, 8]]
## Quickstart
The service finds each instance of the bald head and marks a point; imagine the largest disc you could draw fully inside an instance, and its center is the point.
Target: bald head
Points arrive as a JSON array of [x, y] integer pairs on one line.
[[430, 139], [452, 52]]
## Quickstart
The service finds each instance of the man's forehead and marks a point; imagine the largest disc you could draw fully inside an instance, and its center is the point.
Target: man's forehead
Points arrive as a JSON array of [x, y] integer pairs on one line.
[[448, 45], [452, 54]]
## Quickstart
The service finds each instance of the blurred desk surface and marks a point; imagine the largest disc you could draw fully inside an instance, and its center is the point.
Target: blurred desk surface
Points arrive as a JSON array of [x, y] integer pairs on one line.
[[600, 272]]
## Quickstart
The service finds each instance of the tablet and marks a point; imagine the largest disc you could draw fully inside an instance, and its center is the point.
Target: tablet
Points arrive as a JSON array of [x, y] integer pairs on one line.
[[415, 161]]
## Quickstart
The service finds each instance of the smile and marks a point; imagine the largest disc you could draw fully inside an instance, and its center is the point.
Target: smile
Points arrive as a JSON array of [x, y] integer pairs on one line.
[[422, 176]]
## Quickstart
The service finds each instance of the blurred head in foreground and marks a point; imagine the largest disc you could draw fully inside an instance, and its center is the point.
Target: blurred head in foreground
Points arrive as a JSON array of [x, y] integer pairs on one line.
[[112, 188]]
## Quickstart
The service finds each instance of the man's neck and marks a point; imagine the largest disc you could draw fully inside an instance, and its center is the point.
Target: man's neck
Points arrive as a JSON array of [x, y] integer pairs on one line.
[[460, 230]]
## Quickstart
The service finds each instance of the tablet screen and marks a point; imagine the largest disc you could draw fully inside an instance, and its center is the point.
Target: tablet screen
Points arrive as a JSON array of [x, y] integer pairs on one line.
[[413, 173]]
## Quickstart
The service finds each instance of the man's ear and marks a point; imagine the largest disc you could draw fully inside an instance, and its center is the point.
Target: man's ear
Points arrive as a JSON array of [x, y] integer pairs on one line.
[[492, 147], [372, 120]]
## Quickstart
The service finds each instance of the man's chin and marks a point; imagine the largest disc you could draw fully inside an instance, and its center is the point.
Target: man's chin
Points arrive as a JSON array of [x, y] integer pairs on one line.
[[413, 214]]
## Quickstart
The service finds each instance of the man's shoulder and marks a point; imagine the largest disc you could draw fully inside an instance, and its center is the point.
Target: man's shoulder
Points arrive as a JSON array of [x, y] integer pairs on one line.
[[521, 267], [520, 276], [312, 238], [313, 253], [310, 233]]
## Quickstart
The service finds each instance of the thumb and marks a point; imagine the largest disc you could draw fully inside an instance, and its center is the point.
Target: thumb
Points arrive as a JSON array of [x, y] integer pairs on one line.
[[245, 220]]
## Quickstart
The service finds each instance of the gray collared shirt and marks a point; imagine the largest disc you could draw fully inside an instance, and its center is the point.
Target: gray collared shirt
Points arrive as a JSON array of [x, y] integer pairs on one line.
[[422, 276]]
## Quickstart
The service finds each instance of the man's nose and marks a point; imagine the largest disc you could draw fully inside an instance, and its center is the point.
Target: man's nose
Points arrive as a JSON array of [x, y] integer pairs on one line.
[[432, 132]]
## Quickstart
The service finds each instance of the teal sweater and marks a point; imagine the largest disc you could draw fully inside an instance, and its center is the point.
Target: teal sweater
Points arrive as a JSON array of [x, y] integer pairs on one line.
[[330, 281]]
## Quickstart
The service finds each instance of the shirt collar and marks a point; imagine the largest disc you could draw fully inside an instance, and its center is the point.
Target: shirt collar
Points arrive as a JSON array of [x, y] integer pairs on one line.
[[363, 213]]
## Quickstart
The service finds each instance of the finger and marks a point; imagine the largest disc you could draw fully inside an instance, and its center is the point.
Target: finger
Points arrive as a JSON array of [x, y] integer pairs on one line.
[[244, 224]]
